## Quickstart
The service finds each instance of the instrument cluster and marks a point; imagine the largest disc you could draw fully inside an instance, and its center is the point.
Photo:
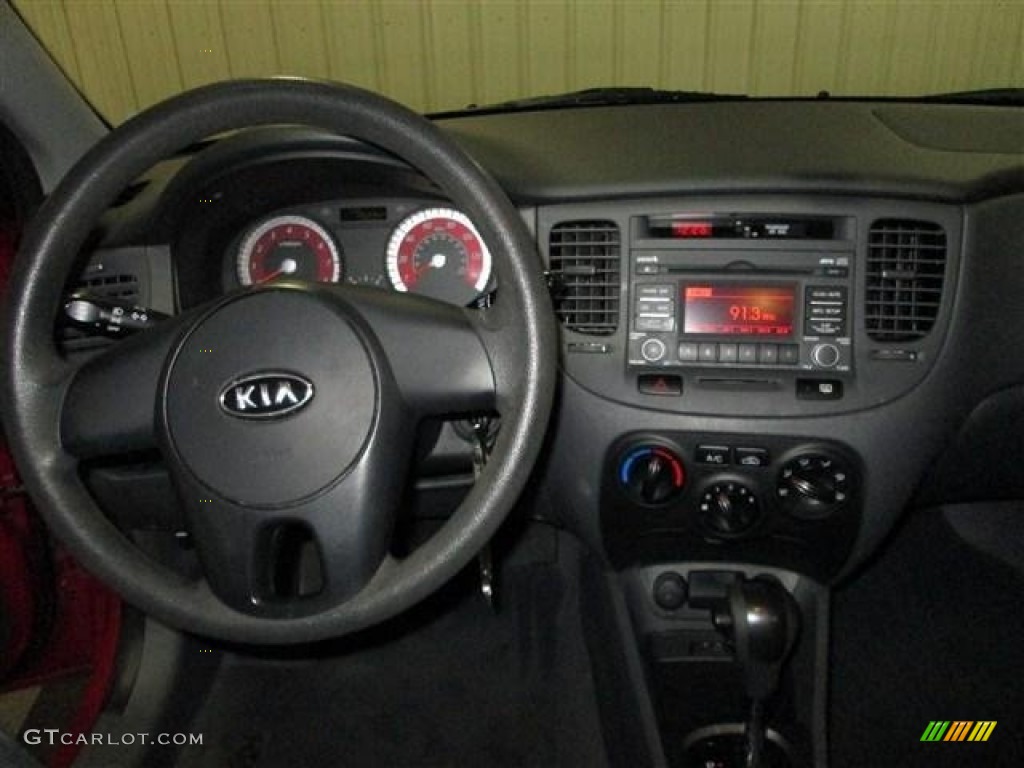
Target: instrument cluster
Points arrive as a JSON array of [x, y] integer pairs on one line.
[[413, 246]]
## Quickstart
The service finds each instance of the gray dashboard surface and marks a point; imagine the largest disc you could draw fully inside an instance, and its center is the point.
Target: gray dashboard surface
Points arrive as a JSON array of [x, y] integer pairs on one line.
[[924, 150]]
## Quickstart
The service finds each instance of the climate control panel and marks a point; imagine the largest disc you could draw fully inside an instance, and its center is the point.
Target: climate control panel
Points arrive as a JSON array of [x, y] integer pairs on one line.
[[786, 502]]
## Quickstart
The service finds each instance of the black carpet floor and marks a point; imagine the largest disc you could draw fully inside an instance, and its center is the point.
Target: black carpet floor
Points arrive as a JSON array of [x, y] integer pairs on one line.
[[932, 630], [452, 684]]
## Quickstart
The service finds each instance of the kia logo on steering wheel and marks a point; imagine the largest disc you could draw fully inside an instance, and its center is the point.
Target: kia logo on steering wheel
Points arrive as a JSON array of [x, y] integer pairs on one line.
[[266, 395]]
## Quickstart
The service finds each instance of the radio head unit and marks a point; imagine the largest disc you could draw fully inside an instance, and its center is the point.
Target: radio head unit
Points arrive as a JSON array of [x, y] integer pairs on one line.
[[684, 314]]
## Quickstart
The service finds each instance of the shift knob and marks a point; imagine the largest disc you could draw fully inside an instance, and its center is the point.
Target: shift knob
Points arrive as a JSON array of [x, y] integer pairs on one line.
[[763, 620]]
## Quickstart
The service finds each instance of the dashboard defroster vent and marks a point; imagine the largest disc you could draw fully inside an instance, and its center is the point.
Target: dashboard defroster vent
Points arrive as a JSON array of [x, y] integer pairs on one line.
[[585, 262], [905, 273]]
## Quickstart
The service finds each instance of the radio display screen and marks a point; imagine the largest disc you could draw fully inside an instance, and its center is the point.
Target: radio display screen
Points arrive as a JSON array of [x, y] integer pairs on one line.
[[738, 309]]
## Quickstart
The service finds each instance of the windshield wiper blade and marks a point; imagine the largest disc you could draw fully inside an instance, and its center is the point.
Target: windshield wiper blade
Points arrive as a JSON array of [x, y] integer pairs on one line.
[[1002, 97], [600, 97]]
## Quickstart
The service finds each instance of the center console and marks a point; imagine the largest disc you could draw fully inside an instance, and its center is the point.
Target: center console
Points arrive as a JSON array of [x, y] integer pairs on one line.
[[739, 372]]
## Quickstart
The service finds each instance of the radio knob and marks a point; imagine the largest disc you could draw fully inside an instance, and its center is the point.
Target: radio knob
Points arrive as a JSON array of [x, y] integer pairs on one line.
[[825, 355], [653, 350]]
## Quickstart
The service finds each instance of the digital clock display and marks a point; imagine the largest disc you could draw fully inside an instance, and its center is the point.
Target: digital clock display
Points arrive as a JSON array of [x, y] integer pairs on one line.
[[738, 309]]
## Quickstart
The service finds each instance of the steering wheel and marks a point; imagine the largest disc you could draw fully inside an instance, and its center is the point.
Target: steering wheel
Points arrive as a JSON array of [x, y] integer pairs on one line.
[[283, 408]]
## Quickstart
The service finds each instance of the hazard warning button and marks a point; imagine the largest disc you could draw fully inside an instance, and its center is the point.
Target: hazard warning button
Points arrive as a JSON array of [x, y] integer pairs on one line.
[[664, 384]]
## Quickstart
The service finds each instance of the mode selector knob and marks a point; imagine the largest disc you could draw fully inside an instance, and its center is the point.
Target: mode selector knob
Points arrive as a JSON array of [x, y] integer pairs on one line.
[[653, 350], [814, 485], [825, 355]]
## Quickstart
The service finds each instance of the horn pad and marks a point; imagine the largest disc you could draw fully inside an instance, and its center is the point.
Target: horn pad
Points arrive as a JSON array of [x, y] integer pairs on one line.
[[237, 414]]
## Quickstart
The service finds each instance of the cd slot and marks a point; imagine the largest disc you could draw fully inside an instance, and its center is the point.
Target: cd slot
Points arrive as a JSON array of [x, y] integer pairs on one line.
[[730, 384], [733, 269]]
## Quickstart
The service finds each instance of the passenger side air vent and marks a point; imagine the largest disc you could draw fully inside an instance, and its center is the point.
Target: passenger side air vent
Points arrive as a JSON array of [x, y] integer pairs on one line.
[[585, 262], [905, 272]]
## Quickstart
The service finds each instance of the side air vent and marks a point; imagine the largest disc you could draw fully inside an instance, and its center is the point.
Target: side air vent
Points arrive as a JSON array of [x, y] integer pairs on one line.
[[905, 272], [123, 287], [585, 262]]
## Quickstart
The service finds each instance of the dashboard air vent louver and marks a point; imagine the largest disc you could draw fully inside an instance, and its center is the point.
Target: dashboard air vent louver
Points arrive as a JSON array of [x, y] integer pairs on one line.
[[905, 272], [123, 287], [585, 262]]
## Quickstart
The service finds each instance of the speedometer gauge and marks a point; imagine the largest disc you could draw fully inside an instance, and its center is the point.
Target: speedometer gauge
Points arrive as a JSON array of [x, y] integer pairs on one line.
[[437, 252], [288, 246]]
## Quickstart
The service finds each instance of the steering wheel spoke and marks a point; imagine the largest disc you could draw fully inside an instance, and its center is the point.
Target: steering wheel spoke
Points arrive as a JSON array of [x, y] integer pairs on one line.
[[301, 558], [438, 359], [109, 408]]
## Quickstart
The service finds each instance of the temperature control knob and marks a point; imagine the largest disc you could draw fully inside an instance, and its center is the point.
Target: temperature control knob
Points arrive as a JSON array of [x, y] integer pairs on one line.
[[813, 485], [652, 474], [729, 508]]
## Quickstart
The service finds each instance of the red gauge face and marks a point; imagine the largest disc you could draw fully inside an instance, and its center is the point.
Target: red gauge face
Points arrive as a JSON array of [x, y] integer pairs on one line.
[[438, 253], [288, 247]]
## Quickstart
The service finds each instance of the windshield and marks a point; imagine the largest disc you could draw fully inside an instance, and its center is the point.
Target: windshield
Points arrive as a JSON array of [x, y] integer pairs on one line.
[[446, 55]]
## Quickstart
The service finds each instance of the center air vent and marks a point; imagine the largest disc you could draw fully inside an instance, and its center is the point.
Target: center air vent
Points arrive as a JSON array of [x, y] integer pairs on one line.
[[905, 271], [585, 259]]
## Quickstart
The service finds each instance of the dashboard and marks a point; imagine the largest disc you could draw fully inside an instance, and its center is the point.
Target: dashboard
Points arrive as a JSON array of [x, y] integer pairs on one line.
[[767, 352]]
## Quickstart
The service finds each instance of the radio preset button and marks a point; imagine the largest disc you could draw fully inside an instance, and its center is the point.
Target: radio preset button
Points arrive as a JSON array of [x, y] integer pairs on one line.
[[727, 353], [747, 353], [767, 354], [707, 352], [789, 354], [653, 350], [688, 351]]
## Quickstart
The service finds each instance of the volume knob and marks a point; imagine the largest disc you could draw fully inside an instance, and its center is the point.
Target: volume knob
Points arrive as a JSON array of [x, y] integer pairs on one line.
[[825, 355], [653, 350]]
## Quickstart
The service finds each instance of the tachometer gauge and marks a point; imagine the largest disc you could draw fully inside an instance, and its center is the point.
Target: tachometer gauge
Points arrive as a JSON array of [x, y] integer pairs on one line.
[[288, 246], [437, 252]]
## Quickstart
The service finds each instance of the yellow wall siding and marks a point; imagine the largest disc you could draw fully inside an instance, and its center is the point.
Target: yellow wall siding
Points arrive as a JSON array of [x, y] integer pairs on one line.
[[444, 54]]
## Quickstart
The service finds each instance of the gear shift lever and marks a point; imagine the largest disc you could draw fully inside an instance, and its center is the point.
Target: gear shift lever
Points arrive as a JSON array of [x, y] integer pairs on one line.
[[763, 621]]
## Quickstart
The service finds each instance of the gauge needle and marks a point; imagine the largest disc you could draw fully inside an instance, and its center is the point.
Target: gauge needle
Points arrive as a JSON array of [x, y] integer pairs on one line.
[[437, 261], [288, 267]]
